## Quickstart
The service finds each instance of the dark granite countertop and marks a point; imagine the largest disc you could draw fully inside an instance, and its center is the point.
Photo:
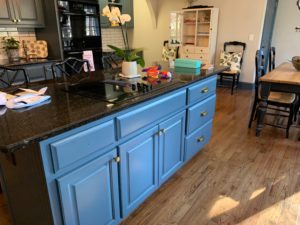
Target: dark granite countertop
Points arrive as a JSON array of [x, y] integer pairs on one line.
[[24, 62], [67, 111]]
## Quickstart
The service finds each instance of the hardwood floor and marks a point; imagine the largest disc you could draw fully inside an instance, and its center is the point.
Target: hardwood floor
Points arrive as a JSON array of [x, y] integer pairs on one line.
[[236, 179]]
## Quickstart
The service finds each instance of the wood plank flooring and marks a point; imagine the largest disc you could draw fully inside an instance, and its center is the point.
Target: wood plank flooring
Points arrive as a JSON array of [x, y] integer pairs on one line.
[[236, 179]]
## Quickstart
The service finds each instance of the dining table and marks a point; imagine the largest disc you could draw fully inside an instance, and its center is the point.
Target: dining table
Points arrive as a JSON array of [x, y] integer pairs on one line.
[[284, 78]]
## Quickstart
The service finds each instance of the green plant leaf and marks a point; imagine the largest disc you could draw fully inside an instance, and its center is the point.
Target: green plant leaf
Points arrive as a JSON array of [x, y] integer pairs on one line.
[[119, 52], [10, 43], [141, 62], [129, 56]]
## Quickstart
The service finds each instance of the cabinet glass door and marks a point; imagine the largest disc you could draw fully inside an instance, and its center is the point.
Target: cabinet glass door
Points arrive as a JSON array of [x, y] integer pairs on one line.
[[175, 28], [203, 28], [189, 27]]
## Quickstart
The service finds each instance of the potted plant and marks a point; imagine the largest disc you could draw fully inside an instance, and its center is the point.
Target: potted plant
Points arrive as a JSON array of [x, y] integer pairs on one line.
[[130, 57], [11, 47]]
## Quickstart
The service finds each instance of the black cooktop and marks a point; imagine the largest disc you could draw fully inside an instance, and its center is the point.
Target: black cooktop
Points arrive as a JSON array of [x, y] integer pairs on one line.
[[117, 90]]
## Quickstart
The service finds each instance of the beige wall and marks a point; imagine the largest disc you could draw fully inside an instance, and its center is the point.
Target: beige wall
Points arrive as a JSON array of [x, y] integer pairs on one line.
[[144, 35], [285, 39], [237, 20]]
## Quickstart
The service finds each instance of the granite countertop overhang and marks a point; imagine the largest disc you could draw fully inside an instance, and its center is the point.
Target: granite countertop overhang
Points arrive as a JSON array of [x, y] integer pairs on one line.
[[67, 111]]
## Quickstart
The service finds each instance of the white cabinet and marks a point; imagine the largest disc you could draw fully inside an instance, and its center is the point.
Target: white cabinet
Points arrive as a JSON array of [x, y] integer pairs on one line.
[[176, 28], [196, 32]]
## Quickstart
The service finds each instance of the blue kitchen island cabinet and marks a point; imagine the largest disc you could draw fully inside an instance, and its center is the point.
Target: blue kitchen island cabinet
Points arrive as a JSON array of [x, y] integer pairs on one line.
[[89, 195], [152, 140], [149, 160], [93, 163]]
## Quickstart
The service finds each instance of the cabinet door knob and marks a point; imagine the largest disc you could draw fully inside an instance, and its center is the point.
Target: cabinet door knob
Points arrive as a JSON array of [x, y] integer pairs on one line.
[[161, 132], [18, 20], [203, 114], [117, 159], [14, 20], [201, 139], [205, 90]]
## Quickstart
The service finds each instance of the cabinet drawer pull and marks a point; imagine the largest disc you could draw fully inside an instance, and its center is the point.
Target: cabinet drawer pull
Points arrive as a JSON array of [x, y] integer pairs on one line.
[[200, 139], [203, 114], [117, 159], [204, 90]]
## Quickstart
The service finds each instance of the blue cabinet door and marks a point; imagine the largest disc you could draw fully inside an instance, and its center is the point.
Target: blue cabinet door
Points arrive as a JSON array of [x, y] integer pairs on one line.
[[138, 169], [89, 195], [171, 146]]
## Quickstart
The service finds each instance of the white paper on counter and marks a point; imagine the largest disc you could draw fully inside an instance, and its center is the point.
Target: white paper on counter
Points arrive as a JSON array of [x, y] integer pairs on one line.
[[26, 100], [26, 91], [3, 99], [3, 110]]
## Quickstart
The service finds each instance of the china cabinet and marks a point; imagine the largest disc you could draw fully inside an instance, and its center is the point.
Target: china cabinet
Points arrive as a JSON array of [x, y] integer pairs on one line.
[[195, 31]]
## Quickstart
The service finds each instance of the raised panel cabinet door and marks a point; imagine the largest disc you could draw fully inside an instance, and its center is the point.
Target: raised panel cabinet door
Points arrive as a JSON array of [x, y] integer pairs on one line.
[[171, 146], [29, 12], [89, 195], [139, 169], [6, 12]]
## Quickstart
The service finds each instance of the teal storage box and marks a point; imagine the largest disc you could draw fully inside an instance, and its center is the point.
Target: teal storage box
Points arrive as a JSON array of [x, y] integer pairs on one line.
[[188, 63], [187, 71]]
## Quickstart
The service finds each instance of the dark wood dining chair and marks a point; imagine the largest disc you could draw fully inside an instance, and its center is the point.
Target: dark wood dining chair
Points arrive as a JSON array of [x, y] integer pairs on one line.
[[169, 52], [12, 76], [276, 100], [233, 75], [272, 55], [70, 69]]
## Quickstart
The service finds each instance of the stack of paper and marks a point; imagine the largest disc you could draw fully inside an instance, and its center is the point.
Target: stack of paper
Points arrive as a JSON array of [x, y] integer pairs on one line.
[[26, 98]]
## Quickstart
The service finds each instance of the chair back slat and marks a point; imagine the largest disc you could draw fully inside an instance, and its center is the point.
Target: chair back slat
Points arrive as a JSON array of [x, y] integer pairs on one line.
[[70, 68], [259, 69], [8, 76], [272, 54]]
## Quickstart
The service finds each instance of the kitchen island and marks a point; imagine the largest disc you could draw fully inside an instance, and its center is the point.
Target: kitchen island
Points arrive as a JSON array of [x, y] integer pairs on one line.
[[82, 160]]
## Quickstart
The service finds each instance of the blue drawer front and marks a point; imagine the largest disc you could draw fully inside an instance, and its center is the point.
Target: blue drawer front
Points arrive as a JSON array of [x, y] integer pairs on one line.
[[196, 141], [75, 147], [148, 114], [202, 90], [201, 113]]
